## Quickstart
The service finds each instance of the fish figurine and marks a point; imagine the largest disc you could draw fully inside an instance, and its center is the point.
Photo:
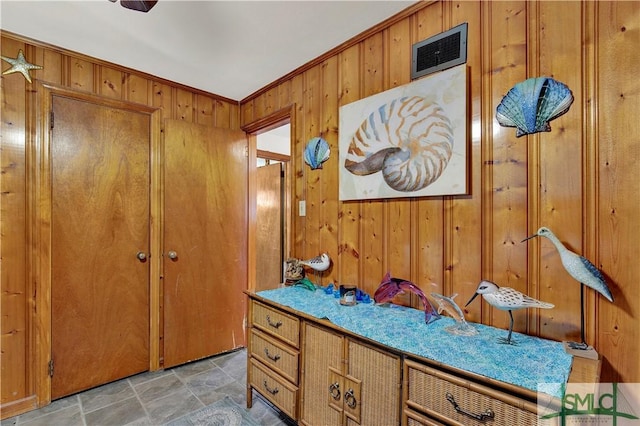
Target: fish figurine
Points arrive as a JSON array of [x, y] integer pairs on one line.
[[446, 304], [531, 104], [328, 289], [391, 287], [316, 152]]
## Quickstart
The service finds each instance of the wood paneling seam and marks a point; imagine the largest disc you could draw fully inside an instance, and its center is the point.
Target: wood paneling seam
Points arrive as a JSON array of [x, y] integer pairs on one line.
[[487, 180], [533, 171], [590, 18]]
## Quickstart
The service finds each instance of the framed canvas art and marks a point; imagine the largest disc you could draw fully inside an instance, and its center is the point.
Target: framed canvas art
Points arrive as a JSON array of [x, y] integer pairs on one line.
[[409, 141]]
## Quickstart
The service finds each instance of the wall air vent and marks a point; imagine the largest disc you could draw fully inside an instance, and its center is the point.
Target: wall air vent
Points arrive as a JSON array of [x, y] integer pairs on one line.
[[439, 52]]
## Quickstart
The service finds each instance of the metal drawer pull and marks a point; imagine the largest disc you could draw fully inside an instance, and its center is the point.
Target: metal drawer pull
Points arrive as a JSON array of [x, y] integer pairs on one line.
[[334, 391], [273, 324], [488, 413], [271, 357], [271, 391], [350, 399]]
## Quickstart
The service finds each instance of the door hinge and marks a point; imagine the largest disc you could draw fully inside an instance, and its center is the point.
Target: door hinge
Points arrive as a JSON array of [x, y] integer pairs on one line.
[[51, 120], [50, 368]]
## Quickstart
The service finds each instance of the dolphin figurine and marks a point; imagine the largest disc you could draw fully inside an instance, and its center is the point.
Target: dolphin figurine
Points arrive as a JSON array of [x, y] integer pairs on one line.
[[390, 287]]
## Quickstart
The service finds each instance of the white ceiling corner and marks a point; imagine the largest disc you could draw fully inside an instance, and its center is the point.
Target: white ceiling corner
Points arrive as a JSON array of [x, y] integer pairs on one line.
[[229, 48]]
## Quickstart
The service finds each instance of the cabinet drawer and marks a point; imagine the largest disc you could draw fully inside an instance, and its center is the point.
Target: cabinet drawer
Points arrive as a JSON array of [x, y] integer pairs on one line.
[[274, 354], [273, 387], [414, 419], [277, 323], [437, 394]]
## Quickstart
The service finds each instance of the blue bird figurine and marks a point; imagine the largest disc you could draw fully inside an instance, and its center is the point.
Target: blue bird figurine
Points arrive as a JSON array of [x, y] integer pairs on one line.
[[580, 269], [577, 266]]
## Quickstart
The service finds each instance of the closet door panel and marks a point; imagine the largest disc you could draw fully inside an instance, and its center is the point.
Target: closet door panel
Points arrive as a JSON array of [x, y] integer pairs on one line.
[[99, 244], [205, 241]]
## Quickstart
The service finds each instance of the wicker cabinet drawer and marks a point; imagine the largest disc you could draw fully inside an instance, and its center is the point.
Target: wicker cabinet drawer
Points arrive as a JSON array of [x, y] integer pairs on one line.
[[454, 400], [412, 418], [277, 323], [273, 387], [277, 356]]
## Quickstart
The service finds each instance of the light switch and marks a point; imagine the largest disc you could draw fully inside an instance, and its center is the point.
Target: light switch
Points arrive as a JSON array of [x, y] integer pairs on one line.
[[302, 208]]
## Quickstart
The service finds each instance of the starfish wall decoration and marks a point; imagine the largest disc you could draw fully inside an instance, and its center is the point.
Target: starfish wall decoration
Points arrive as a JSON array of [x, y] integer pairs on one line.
[[20, 65]]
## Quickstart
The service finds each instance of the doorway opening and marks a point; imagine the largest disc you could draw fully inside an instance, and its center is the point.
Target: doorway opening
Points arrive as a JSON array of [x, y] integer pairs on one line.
[[273, 205]]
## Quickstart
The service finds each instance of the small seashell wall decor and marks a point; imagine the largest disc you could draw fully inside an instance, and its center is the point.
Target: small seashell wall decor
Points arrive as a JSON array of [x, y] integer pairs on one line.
[[316, 152], [531, 104]]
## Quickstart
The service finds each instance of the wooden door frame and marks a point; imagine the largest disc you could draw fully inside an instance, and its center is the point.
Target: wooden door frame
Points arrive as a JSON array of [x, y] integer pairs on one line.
[[271, 121], [39, 187]]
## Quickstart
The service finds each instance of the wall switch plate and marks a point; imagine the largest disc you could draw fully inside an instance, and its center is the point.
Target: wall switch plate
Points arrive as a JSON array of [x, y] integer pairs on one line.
[[302, 208]]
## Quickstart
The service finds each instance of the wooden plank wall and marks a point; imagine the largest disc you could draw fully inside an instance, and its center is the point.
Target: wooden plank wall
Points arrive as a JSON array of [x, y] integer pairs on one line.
[[74, 71], [580, 179]]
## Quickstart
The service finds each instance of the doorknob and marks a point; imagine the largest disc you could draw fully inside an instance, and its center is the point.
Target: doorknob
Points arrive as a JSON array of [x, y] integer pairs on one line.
[[142, 256], [172, 255]]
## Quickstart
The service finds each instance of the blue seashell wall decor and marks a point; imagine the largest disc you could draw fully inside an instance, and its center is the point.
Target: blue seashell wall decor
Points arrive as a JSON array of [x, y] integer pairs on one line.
[[316, 152], [531, 104]]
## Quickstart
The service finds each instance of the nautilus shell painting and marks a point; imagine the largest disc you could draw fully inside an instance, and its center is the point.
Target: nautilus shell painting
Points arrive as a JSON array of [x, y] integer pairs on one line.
[[409, 141], [531, 104]]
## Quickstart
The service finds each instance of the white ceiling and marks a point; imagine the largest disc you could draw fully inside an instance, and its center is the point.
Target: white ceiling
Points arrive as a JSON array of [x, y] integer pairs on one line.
[[229, 48]]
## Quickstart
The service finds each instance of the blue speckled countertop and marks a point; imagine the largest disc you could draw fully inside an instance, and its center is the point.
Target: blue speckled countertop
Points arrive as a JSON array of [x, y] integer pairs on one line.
[[534, 363]]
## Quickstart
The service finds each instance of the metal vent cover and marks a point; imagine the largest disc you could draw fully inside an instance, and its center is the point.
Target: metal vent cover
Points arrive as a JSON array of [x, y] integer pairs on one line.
[[439, 52]]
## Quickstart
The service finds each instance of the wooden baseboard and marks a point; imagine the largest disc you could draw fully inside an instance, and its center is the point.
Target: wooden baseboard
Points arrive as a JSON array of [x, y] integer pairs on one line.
[[14, 408]]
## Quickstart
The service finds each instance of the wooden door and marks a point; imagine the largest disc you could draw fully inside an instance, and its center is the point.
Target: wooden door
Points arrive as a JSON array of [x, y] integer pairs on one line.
[[99, 222], [205, 241], [269, 226]]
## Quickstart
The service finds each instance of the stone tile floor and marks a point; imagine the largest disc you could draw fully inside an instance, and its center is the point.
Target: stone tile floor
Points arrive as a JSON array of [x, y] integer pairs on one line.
[[155, 398]]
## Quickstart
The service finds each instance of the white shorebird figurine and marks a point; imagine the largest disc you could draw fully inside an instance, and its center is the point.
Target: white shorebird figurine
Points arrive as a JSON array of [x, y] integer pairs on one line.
[[506, 299], [582, 271], [319, 264]]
